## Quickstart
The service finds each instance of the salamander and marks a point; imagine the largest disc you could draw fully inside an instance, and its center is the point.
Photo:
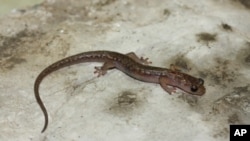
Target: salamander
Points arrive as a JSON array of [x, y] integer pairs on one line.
[[131, 65]]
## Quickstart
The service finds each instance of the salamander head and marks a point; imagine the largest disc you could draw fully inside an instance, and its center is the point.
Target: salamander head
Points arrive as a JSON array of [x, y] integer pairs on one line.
[[189, 84]]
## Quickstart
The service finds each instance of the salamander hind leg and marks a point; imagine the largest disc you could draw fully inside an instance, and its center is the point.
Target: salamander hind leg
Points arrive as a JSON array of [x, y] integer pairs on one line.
[[103, 69], [166, 85], [140, 60]]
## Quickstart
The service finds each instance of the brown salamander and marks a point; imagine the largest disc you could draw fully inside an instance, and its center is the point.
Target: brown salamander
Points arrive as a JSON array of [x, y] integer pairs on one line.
[[130, 64]]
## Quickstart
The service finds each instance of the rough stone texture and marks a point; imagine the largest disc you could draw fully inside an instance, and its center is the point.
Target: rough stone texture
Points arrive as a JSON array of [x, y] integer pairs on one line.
[[209, 39]]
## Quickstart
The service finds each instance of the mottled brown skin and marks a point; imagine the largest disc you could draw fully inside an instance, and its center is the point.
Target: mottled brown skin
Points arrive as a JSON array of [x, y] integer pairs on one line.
[[130, 64]]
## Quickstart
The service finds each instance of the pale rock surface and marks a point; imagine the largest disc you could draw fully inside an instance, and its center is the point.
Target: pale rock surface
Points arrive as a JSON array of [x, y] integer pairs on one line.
[[209, 39]]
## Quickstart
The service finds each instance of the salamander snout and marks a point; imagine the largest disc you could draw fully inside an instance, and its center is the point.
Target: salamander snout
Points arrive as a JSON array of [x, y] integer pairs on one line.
[[197, 87], [201, 81]]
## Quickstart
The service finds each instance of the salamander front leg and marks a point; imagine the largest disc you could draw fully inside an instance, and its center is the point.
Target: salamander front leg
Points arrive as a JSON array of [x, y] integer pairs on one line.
[[166, 85], [103, 69], [175, 68], [140, 60]]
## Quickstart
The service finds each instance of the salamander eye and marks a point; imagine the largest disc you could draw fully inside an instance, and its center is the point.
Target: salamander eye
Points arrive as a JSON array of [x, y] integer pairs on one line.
[[194, 88], [201, 81]]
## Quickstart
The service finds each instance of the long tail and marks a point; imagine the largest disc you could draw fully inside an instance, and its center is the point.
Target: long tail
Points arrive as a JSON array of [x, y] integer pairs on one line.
[[39, 101], [75, 59]]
